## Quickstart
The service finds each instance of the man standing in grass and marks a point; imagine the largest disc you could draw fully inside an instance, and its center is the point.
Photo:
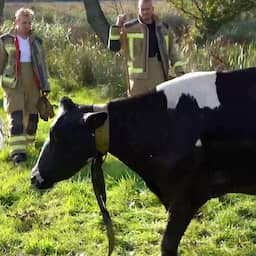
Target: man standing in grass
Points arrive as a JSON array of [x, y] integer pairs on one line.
[[149, 47], [23, 76]]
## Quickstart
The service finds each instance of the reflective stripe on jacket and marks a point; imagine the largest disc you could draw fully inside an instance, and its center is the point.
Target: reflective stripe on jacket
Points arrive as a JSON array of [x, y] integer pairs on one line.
[[10, 62], [136, 35]]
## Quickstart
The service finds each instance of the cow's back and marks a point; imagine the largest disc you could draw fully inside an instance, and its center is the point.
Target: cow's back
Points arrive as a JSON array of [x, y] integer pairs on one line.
[[200, 85], [213, 89], [237, 87]]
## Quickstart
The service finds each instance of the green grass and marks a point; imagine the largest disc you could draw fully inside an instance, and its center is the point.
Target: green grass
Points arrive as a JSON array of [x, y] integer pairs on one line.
[[66, 220]]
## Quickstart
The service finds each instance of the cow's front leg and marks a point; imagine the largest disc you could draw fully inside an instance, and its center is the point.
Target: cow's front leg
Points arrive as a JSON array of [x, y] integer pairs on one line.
[[181, 214]]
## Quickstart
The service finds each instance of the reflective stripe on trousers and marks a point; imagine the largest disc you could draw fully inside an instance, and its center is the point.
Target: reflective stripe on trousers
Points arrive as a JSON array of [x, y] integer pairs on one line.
[[17, 144]]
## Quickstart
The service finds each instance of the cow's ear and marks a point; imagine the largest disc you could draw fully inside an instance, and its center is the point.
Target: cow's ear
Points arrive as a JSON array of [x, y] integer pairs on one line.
[[67, 104], [94, 120]]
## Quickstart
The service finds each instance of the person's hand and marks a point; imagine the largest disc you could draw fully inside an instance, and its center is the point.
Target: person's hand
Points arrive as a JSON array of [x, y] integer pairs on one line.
[[121, 19]]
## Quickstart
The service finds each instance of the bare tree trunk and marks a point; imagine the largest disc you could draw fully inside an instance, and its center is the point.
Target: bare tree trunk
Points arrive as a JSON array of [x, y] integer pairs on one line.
[[1, 11], [97, 19]]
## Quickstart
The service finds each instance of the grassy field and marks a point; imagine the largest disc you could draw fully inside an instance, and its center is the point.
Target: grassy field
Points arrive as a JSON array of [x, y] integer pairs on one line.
[[66, 220]]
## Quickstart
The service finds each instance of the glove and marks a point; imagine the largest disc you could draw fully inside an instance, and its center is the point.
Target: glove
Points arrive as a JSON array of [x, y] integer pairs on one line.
[[44, 107]]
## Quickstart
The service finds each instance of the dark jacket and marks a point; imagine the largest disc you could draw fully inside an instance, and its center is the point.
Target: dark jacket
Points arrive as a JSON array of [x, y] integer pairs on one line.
[[135, 36]]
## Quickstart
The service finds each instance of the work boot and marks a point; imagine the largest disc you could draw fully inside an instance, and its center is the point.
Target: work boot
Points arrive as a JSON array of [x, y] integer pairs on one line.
[[18, 158]]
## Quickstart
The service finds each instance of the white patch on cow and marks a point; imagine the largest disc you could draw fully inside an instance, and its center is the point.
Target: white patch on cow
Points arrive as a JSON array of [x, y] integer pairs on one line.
[[200, 85], [198, 143], [36, 174]]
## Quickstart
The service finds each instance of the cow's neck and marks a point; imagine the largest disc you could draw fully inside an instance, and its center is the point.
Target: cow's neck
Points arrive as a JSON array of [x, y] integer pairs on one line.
[[102, 132], [124, 108], [133, 123], [102, 138]]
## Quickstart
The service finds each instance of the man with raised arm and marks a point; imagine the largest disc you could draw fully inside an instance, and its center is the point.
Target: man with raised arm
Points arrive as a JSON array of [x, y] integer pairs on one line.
[[149, 47]]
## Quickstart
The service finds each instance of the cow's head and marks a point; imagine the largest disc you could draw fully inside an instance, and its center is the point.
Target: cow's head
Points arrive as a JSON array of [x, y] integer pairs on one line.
[[71, 144]]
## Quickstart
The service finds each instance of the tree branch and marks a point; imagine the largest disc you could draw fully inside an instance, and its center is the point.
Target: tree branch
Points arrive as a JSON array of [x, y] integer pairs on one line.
[[184, 10], [97, 19], [199, 8]]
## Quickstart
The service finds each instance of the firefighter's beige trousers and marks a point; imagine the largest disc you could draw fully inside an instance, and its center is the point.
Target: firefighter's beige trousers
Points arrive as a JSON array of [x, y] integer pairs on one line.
[[24, 96], [23, 99], [155, 77]]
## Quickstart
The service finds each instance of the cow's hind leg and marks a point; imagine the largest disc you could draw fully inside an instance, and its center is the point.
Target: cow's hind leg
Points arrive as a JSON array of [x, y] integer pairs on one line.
[[181, 214]]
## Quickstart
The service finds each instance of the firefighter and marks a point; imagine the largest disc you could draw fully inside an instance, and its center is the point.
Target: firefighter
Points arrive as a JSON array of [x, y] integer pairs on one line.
[[23, 77], [149, 47]]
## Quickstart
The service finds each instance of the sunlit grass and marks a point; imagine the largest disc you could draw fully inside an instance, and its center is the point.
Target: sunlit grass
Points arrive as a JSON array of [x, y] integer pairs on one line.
[[66, 220]]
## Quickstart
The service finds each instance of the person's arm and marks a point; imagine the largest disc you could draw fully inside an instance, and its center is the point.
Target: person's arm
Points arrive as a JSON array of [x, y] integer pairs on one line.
[[3, 57], [41, 68], [47, 88]]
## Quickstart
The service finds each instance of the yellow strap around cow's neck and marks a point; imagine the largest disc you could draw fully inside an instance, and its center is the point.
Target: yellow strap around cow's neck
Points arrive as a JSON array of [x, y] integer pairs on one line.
[[102, 132]]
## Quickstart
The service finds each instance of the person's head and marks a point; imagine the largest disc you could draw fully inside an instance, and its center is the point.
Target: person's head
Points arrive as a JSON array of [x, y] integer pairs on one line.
[[146, 10], [23, 21]]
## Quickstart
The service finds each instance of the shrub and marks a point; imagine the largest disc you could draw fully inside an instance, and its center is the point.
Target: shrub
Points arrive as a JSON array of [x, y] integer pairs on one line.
[[210, 15], [231, 55]]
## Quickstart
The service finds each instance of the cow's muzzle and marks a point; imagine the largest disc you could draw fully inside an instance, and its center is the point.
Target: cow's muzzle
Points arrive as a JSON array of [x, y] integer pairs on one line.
[[37, 180]]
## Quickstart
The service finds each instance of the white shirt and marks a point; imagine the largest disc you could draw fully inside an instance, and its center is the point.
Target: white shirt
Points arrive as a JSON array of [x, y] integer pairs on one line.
[[25, 51]]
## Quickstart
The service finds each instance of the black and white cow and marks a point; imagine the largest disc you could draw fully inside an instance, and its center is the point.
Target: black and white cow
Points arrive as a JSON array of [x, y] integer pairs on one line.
[[192, 139]]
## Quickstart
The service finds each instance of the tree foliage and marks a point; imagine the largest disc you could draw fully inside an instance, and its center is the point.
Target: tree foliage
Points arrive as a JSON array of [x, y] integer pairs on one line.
[[210, 15]]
